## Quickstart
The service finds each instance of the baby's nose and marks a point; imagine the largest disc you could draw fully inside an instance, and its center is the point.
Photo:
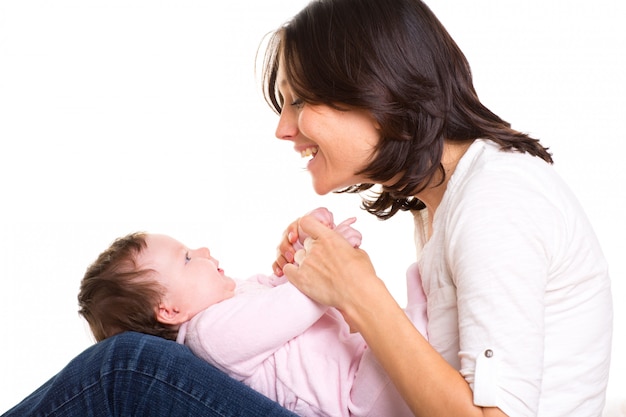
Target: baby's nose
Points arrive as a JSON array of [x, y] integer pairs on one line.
[[200, 253], [204, 252]]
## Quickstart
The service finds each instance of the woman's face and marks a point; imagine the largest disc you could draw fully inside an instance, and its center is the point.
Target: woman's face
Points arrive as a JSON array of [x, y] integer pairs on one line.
[[339, 143]]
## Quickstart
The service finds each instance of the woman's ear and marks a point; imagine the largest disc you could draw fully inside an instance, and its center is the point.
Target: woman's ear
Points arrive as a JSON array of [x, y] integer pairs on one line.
[[376, 123], [168, 315]]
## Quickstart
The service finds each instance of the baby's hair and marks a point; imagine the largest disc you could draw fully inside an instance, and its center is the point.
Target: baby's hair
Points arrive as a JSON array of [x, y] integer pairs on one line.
[[117, 296]]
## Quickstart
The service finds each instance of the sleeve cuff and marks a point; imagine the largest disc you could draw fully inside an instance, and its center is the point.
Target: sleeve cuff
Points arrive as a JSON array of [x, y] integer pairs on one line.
[[486, 379]]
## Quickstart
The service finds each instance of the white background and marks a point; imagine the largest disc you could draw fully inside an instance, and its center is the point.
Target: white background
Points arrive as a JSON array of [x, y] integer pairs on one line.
[[119, 115]]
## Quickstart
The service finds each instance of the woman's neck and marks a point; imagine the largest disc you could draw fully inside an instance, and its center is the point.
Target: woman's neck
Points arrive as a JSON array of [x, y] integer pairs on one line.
[[432, 195]]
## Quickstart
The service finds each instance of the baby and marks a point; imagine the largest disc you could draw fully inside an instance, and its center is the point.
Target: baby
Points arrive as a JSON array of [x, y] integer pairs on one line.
[[261, 331]]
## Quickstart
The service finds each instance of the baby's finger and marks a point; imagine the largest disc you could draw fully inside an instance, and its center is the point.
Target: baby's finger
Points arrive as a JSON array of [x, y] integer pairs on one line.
[[347, 222]]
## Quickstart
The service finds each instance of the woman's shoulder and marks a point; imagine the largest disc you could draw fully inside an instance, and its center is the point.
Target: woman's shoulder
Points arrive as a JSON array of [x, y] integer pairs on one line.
[[490, 182], [487, 157], [486, 170]]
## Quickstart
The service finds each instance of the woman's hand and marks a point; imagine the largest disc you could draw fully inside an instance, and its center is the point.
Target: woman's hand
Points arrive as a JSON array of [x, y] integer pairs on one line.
[[332, 271], [285, 251], [294, 237]]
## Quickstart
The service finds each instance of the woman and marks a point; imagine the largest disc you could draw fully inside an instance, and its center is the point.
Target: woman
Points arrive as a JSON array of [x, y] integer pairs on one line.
[[382, 98]]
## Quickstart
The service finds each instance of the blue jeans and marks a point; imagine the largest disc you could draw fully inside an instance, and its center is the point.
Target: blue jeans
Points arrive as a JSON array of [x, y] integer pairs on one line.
[[137, 375]]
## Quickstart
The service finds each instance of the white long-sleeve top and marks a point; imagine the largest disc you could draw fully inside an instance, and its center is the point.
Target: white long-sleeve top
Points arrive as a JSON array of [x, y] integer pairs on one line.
[[517, 286]]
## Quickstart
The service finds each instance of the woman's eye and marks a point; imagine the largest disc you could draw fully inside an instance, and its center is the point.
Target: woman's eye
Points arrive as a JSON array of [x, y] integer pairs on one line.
[[187, 258], [298, 103]]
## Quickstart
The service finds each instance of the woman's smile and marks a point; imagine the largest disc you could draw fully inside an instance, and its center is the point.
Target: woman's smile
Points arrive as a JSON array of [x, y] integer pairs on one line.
[[309, 151]]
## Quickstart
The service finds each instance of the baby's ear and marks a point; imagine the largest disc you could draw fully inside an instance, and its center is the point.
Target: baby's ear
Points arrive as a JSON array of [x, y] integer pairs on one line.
[[167, 315]]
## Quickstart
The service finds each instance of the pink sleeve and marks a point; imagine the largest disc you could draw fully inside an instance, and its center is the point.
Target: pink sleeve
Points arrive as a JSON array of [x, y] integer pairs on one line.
[[240, 333], [416, 300]]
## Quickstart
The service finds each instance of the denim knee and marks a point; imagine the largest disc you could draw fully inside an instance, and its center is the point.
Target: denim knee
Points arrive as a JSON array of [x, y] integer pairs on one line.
[[133, 374]]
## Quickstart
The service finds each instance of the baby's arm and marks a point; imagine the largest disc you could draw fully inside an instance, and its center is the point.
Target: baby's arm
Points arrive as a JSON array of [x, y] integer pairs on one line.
[[240, 333]]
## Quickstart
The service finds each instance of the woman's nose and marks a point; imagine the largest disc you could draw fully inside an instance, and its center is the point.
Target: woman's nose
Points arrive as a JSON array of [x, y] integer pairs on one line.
[[287, 128]]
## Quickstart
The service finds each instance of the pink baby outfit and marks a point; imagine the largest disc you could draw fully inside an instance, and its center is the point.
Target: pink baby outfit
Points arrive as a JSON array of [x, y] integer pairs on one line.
[[293, 350], [297, 352]]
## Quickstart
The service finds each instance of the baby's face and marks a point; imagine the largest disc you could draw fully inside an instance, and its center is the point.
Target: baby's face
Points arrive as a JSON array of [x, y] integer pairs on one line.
[[192, 279]]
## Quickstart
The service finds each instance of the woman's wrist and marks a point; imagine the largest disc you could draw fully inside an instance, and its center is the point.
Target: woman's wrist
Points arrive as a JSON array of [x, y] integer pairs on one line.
[[361, 309]]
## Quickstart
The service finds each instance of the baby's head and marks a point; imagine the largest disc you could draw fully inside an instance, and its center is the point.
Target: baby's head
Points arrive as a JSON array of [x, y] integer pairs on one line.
[[150, 284], [116, 295]]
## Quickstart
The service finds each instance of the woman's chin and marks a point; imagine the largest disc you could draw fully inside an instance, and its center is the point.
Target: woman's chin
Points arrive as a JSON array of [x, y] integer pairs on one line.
[[321, 188], [320, 191]]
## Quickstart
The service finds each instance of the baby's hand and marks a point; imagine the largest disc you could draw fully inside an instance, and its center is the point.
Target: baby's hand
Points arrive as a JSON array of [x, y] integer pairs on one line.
[[346, 230], [325, 217]]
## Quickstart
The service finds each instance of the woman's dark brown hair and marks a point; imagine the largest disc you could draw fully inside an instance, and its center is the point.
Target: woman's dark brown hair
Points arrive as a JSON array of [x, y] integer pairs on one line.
[[395, 59], [117, 296]]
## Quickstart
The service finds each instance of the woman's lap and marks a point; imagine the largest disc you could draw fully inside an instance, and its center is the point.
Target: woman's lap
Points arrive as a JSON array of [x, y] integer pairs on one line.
[[139, 375]]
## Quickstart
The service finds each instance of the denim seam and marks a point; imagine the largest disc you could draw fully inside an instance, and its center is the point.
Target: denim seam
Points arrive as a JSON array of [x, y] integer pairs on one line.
[[71, 398], [148, 375], [164, 381]]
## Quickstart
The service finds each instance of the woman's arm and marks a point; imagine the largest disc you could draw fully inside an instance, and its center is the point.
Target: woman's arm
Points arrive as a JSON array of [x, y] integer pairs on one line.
[[336, 274]]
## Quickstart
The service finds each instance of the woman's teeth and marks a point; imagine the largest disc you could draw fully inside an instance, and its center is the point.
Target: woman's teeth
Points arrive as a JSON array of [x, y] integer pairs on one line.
[[309, 152]]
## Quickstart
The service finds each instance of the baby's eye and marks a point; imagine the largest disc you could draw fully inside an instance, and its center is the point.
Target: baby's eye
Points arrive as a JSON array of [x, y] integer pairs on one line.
[[187, 258]]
